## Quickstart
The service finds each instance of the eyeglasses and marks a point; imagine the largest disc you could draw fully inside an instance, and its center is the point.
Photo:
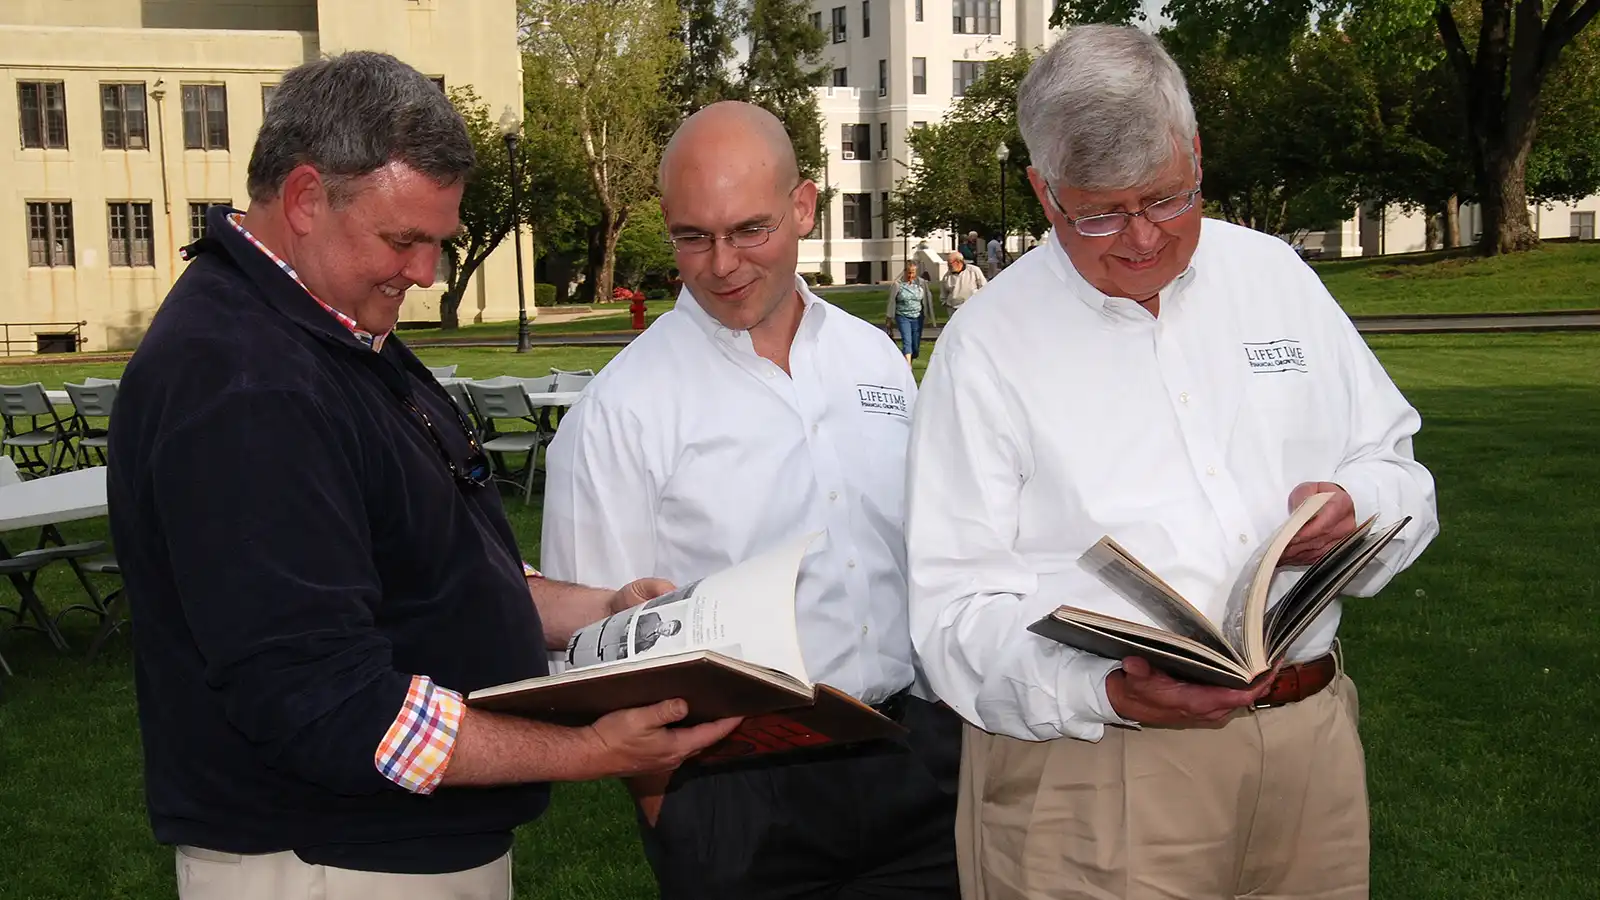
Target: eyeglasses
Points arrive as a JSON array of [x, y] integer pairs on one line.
[[740, 238], [475, 470], [1108, 224]]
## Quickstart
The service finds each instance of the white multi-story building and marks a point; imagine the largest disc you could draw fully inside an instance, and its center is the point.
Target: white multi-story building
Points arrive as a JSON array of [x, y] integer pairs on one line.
[[896, 64], [1376, 231]]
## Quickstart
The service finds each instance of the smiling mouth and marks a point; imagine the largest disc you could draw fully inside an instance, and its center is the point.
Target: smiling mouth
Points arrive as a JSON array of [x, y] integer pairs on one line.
[[393, 293], [1139, 264], [733, 294]]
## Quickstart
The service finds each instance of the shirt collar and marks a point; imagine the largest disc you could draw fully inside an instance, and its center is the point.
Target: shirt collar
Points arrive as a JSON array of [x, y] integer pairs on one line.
[[811, 319], [1093, 297], [361, 334]]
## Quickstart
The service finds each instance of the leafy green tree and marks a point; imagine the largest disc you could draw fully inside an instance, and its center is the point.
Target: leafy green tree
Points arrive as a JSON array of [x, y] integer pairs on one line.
[[783, 68]]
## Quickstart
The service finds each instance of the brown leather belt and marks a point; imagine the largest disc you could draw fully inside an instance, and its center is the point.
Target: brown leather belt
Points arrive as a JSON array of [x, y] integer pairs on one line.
[[1297, 682]]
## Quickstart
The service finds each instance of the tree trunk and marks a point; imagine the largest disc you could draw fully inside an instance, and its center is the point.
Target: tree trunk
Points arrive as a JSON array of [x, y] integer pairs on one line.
[[450, 311], [1452, 222], [592, 264], [1506, 226], [613, 222]]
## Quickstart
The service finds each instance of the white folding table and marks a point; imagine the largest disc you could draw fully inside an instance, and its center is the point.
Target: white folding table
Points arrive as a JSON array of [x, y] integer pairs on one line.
[[44, 502]]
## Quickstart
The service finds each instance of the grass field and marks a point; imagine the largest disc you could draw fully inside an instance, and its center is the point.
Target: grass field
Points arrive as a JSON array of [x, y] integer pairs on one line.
[[1479, 668]]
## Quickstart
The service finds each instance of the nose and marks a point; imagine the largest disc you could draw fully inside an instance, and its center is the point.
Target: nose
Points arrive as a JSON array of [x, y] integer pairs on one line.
[[724, 258], [1141, 235], [421, 264]]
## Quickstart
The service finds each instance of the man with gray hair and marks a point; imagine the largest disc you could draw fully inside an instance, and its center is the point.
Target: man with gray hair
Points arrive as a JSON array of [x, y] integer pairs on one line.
[[317, 561], [1179, 384]]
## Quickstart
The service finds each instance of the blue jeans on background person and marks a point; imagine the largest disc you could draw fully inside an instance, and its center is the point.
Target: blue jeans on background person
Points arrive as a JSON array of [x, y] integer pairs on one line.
[[910, 333]]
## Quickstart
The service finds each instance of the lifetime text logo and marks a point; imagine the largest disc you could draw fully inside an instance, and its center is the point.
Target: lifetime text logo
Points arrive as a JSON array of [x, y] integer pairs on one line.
[[882, 400], [1269, 357]]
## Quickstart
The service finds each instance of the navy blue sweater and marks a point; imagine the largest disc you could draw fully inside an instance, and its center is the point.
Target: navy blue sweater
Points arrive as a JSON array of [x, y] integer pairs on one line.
[[295, 549]]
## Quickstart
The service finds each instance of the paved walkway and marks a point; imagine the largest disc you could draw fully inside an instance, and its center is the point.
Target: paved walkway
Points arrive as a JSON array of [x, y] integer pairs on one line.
[[1450, 323]]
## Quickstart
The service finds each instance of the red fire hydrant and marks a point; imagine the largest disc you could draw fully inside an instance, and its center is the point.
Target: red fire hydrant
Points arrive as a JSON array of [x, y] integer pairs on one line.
[[637, 308]]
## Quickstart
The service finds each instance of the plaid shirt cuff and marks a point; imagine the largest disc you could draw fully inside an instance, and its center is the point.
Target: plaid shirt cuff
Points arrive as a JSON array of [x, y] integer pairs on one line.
[[417, 748], [530, 572]]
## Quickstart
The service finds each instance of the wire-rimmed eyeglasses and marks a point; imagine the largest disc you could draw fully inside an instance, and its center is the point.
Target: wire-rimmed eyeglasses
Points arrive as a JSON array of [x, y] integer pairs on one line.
[[1108, 224], [475, 469], [746, 238]]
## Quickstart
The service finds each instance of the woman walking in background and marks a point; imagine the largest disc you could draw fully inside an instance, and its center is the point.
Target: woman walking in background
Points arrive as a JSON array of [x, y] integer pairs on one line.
[[910, 303]]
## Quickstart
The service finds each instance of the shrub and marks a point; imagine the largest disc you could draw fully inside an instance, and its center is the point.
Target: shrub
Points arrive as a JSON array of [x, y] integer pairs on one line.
[[544, 294], [824, 279]]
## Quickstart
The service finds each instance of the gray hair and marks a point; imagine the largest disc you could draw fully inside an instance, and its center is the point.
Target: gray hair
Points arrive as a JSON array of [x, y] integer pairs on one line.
[[1104, 109], [352, 114]]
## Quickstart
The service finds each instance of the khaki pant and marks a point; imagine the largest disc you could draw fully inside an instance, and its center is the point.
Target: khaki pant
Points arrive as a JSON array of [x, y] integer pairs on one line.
[[1270, 804], [208, 875]]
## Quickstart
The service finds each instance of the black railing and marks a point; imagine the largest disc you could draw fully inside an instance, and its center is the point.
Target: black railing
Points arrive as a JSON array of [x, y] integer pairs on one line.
[[41, 337]]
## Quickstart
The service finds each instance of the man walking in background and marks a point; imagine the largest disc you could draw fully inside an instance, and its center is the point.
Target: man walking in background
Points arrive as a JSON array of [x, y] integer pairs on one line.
[[960, 282]]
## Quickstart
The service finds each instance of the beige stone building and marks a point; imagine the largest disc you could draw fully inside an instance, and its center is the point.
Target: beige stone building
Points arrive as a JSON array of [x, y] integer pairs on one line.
[[126, 118]]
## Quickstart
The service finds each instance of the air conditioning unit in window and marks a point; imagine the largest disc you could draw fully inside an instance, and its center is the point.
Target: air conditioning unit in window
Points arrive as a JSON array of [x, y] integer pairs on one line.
[[883, 152], [848, 154], [883, 92]]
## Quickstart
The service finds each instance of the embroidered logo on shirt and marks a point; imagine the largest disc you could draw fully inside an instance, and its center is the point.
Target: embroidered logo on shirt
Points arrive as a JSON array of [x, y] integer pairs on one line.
[[1268, 357], [884, 401]]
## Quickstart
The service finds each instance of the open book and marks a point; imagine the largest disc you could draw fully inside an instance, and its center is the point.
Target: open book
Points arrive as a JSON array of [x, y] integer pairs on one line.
[[727, 645], [1251, 638]]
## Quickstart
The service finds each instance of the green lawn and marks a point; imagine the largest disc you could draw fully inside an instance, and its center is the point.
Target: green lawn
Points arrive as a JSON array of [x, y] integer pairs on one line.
[[1479, 668]]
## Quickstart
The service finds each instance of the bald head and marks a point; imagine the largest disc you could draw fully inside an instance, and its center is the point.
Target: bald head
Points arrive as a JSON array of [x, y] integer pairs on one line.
[[730, 134]]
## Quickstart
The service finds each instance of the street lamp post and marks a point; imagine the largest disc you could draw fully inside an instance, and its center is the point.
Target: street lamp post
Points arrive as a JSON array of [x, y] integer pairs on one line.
[[1003, 153], [511, 128]]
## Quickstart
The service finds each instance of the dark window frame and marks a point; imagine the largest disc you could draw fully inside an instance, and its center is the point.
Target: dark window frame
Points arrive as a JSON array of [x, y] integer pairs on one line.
[[42, 123], [47, 248], [117, 126], [205, 116], [130, 234]]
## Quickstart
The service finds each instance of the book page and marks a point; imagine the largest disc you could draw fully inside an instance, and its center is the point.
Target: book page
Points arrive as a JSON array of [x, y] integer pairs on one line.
[[745, 612], [1242, 618], [1118, 570]]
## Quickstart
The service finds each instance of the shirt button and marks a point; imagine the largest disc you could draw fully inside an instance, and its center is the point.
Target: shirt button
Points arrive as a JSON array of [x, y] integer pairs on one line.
[[852, 563], [1211, 470], [1243, 539], [815, 427], [1183, 397], [833, 495], [863, 629]]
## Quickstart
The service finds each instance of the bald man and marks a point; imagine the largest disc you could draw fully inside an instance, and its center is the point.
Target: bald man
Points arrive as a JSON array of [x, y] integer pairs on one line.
[[750, 414]]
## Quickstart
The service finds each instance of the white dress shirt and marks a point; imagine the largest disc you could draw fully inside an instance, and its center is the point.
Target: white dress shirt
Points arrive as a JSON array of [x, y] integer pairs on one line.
[[1053, 414], [689, 453]]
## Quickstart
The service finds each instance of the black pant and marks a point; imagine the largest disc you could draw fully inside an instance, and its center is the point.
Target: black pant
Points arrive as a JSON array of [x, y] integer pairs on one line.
[[867, 821]]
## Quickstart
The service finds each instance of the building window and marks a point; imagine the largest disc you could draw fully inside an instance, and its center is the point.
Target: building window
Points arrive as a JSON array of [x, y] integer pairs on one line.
[[815, 19], [839, 32], [841, 77], [50, 234], [856, 142], [267, 90], [197, 217], [919, 74], [205, 117], [1583, 226], [917, 6], [965, 74], [883, 78], [866, 18], [122, 117], [128, 227], [858, 273], [43, 108], [438, 82], [975, 16], [858, 216], [918, 124], [883, 140], [883, 210]]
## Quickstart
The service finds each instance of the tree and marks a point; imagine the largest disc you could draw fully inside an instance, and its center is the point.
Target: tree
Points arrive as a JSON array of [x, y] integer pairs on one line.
[[643, 253], [486, 211], [702, 75], [1502, 62], [954, 178], [784, 65], [608, 61]]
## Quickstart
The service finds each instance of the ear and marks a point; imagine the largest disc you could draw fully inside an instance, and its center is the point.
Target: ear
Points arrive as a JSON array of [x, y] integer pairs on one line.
[[1041, 192], [304, 198], [1198, 169], [805, 206]]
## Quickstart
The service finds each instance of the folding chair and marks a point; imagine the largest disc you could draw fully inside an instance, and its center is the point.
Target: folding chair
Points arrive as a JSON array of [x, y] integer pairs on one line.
[[544, 384], [443, 371], [556, 371], [18, 570], [508, 401], [90, 401], [571, 381], [113, 619], [96, 382], [30, 401]]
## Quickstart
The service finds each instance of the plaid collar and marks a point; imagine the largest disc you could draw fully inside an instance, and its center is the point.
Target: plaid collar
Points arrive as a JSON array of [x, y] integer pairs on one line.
[[361, 334]]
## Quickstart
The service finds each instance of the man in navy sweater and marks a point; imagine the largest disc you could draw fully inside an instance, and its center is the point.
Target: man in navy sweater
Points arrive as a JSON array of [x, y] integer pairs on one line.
[[318, 565]]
